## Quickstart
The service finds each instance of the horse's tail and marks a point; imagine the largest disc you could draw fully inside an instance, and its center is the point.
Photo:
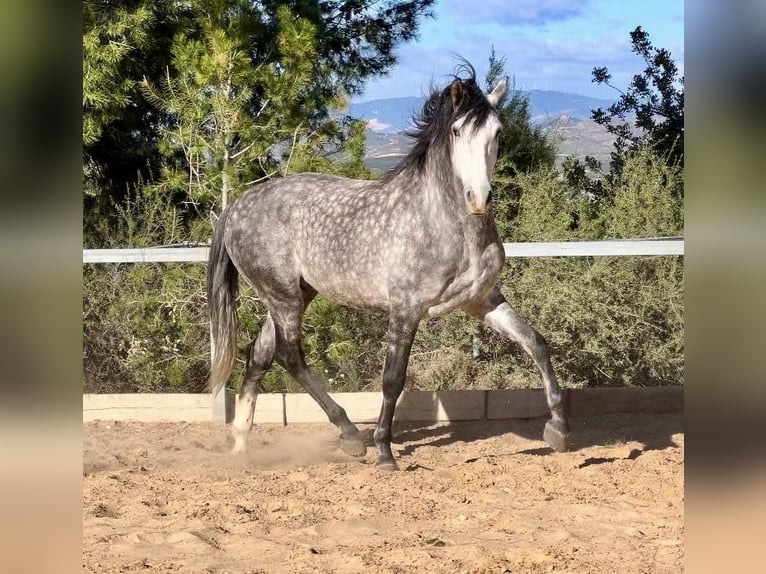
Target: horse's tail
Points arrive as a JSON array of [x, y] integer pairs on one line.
[[222, 287]]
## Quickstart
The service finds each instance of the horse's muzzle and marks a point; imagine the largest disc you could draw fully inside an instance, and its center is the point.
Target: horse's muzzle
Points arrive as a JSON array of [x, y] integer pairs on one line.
[[475, 204]]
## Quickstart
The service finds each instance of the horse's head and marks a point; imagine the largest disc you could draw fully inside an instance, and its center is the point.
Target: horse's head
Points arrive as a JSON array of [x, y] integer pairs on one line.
[[456, 139], [474, 135]]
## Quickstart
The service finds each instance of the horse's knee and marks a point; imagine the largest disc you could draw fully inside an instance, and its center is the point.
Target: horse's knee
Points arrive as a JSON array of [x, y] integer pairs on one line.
[[393, 384], [287, 343]]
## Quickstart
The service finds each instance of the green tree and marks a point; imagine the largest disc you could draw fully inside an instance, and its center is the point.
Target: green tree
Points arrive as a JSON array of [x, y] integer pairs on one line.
[[319, 155], [583, 176], [125, 41], [214, 144], [106, 92], [655, 98], [523, 148]]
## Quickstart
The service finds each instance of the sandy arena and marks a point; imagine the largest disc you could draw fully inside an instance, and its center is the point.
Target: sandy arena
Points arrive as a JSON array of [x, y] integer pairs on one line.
[[479, 497]]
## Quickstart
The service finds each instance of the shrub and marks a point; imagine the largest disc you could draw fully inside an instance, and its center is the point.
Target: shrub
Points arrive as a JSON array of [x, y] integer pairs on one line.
[[609, 320]]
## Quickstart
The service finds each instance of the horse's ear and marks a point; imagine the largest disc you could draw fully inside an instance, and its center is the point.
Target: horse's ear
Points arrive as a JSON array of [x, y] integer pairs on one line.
[[456, 93], [498, 92]]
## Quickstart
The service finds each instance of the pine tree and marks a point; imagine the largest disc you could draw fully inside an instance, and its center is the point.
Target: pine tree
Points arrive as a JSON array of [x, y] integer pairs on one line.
[[215, 144], [110, 38], [522, 149], [300, 65]]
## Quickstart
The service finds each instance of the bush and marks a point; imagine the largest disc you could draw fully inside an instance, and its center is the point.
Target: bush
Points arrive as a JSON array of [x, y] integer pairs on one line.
[[144, 328], [609, 320]]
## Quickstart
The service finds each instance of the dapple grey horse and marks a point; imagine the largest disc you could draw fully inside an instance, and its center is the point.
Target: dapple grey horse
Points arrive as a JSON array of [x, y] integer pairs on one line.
[[417, 244]]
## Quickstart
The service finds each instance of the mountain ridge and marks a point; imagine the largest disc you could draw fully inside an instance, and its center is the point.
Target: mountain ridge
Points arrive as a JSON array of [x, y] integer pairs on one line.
[[564, 116], [395, 114]]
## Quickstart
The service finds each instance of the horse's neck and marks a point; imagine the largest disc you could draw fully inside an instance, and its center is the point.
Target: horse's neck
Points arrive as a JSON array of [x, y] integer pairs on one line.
[[440, 194], [446, 210], [479, 232]]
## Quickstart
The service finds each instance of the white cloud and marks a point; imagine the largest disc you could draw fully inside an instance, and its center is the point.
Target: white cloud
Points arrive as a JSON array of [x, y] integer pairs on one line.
[[514, 12], [549, 44]]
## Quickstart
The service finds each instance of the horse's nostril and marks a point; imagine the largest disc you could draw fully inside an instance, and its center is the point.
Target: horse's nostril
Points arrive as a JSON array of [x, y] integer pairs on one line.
[[469, 196], [489, 196]]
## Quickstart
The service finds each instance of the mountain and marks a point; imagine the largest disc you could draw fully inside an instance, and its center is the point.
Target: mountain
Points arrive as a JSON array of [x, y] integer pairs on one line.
[[565, 116], [394, 115], [546, 104]]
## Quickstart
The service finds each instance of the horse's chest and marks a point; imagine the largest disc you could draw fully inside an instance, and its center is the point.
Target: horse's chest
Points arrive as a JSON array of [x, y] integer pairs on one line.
[[472, 281], [484, 271]]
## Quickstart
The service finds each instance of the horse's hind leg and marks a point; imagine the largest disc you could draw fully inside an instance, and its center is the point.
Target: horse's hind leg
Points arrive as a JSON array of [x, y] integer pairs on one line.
[[498, 314], [260, 356], [290, 355]]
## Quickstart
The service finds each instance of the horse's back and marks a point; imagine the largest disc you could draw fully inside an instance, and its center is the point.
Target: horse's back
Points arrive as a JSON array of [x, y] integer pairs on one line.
[[314, 226], [302, 192]]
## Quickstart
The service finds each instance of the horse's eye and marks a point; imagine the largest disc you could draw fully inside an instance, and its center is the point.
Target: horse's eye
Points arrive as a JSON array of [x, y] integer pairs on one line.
[[455, 131]]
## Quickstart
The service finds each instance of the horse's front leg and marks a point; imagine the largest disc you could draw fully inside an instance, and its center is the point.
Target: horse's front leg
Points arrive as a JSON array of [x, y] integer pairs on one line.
[[401, 333], [498, 314]]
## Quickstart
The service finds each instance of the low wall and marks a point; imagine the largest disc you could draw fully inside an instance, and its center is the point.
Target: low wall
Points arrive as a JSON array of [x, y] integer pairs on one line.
[[426, 406]]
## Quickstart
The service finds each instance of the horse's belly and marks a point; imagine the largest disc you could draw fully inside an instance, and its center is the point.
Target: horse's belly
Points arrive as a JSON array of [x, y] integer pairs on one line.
[[352, 291]]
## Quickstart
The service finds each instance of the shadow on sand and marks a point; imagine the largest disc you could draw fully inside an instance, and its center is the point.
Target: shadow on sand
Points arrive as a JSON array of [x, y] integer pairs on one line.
[[654, 432]]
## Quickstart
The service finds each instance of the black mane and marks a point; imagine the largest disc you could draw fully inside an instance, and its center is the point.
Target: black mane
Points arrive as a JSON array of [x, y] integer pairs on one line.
[[432, 124]]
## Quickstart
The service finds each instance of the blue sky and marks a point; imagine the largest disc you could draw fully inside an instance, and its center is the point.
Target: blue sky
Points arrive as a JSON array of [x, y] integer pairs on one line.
[[549, 44]]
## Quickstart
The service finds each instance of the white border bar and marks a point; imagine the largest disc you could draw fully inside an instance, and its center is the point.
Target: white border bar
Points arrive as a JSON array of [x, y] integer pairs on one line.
[[627, 247], [596, 248], [146, 255]]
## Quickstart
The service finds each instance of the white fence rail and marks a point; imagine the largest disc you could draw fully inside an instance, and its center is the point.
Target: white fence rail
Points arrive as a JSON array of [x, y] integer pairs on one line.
[[611, 248], [617, 247]]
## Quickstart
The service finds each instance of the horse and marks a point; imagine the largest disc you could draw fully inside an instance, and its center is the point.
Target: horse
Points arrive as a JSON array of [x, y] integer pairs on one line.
[[417, 244]]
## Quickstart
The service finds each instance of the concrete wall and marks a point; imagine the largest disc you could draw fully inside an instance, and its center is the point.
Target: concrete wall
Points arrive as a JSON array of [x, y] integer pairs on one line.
[[413, 405]]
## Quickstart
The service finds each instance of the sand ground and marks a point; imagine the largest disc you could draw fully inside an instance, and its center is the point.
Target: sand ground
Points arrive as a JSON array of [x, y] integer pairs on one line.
[[474, 497]]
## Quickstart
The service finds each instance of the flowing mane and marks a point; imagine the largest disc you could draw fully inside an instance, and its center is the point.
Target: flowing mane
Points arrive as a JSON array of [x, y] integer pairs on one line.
[[432, 125]]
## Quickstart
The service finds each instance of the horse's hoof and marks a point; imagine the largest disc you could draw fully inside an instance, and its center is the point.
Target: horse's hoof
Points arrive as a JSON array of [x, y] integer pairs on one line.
[[556, 439], [353, 446], [386, 464]]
